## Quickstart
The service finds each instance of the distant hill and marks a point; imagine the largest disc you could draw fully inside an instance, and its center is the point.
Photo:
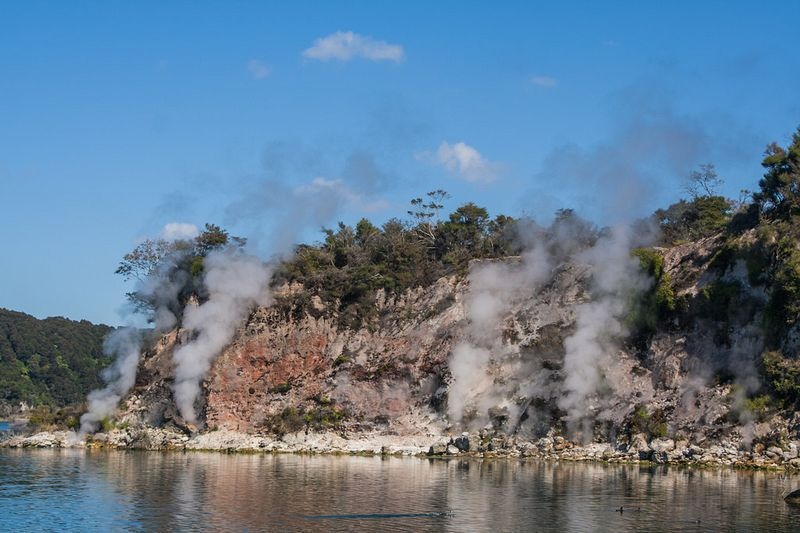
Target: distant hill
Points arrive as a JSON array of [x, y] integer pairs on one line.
[[53, 362]]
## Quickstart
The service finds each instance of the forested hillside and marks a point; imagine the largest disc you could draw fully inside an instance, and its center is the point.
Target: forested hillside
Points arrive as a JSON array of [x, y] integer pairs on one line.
[[53, 362]]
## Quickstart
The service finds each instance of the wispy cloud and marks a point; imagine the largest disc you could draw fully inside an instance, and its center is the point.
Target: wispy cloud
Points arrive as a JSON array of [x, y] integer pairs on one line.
[[346, 45], [545, 82], [178, 231], [258, 69], [464, 161]]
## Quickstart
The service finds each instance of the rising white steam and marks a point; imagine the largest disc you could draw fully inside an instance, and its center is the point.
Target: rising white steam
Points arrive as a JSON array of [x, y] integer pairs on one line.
[[124, 345], [489, 373], [235, 283], [494, 288], [161, 289], [592, 350]]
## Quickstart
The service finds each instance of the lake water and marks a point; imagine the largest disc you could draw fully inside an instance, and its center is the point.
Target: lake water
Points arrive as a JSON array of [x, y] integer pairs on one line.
[[78, 490]]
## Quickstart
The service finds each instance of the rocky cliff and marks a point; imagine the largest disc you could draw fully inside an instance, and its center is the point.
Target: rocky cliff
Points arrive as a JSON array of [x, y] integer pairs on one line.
[[294, 379]]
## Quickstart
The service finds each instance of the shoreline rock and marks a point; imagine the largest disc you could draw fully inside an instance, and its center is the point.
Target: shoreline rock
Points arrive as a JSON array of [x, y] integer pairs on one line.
[[661, 451]]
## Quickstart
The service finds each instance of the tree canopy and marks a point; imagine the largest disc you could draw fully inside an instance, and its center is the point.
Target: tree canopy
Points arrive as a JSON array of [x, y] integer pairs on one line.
[[156, 264], [54, 361]]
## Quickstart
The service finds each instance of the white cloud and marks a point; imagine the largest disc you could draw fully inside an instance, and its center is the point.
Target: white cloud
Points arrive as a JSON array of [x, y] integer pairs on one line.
[[544, 81], [179, 231], [464, 161], [346, 45], [258, 69]]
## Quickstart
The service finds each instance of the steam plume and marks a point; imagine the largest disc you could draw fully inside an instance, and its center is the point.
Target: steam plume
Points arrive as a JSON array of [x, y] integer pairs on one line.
[[494, 288], [235, 282], [593, 347], [161, 288], [124, 344]]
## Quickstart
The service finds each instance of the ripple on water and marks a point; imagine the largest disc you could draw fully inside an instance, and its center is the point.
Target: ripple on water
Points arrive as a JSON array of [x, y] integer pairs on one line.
[[85, 490]]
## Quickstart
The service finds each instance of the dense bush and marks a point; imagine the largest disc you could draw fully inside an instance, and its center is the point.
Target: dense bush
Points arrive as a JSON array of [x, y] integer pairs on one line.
[[658, 303], [352, 263], [782, 377], [51, 362], [693, 219], [653, 425]]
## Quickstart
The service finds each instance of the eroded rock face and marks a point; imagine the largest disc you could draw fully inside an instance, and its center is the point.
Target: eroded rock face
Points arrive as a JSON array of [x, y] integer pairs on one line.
[[292, 369]]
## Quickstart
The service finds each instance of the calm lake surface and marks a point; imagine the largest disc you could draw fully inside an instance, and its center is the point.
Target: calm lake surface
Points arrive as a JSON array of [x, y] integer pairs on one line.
[[150, 491]]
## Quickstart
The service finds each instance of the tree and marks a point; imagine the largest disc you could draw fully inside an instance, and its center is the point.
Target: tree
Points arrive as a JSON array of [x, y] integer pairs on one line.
[[703, 215], [703, 182], [696, 219], [141, 262], [779, 196], [426, 215], [157, 263], [462, 237]]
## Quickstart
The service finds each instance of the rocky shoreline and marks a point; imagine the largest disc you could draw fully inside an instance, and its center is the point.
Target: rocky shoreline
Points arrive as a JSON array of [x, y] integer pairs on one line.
[[662, 451]]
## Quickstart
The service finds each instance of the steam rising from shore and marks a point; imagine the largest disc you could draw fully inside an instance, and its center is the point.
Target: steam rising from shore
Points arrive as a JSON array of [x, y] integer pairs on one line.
[[161, 287], [235, 283], [124, 345], [497, 287], [616, 278], [494, 286]]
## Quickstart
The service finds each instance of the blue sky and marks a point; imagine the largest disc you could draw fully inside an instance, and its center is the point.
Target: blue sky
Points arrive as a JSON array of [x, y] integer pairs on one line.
[[275, 118]]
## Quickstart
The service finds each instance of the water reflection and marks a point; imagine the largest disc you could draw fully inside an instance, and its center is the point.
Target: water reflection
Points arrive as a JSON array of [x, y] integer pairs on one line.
[[149, 491]]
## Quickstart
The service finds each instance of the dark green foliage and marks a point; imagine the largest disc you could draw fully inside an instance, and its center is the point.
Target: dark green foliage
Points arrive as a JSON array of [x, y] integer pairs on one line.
[[694, 219], [653, 425], [324, 416], [658, 303], [289, 421], [757, 406], [353, 263], [724, 257], [703, 215], [783, 308], [782, 377], [177, 264], [779, 197], [757, 260], [52, 362], [719, 298]]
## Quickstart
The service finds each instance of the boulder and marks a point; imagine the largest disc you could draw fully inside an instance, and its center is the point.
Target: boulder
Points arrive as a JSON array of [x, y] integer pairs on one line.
[[695, 451], [662, 445], [791, 453], [438, 449], [638, 445], [774, 453], [462, 442], [560, 443]]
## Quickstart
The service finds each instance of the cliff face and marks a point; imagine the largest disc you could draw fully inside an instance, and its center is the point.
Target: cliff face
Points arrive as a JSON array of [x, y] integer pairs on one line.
[[293, 370]]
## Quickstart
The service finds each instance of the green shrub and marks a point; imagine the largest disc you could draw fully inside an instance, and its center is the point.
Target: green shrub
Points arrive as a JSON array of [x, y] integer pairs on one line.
[[719, 297], [659, 302], [41, 417], [783, 307], [759, 406], [653, 425], [782, 377]]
